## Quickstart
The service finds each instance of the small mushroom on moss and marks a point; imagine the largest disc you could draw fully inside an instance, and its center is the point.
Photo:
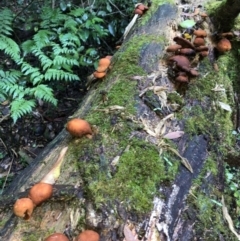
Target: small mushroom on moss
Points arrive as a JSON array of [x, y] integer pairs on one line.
[[203, 53], [23, 208], [193, 72], [201, 48], [173, 48], [183, 42], [198, 41], [179, 62], [57, 237], [88, 235], [182, 78], [103, 64], [187, 51], [40, 192], [99, 75], [223, 45], [78, 128], [200, 33]]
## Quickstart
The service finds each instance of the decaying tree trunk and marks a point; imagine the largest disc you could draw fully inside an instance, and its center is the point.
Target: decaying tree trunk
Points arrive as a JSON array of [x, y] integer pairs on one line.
[[175, 214]]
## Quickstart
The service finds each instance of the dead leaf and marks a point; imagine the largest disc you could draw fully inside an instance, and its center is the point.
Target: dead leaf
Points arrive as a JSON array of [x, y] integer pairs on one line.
[[174, 135], [225, 106], [128, 234], [229, 219]]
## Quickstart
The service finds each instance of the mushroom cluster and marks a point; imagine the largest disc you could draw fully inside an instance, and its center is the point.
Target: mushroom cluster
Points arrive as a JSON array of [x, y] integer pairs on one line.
[[224, 44], [102, 68], [87, 235], [183, 50], [140, 9], [40, 192]]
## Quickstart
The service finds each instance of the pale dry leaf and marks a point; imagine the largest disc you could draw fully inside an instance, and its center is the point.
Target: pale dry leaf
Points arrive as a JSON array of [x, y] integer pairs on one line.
[[129, 236], [137, 77], [218, 88], [174, 135], [147, 127], [225, 106], [115, 160], [229, 219]]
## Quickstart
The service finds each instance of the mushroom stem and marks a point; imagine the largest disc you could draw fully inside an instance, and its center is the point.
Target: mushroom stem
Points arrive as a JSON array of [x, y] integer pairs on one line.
[[54, 173]]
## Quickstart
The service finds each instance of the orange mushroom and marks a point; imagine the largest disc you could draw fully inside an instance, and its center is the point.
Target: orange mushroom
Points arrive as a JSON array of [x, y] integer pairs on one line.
[[138, 11], [198, 41], [142, 7], [23, 208], [223, 45], [99, 75], [79, 127], [88, 235], [103, 64], [187, 51], [183, 42], [40, 192], [181, 62], [182, 78], [200, 33], [57, 237]]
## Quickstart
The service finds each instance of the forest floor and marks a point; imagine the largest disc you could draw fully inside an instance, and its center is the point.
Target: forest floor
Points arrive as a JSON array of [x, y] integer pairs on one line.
[[21, 142]]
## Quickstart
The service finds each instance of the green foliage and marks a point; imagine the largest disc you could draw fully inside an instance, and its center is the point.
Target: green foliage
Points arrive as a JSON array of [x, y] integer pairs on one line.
[[62, 43]]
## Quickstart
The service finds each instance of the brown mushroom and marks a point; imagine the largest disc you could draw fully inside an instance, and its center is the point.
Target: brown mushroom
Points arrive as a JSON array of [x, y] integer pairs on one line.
[[224, 45], [193, 72], [173, 48], [183, 42], [181, 62], [198, 41], [23, 208], [182, 78], [88, 235], [142, 7], [40, 192], [78, 127], [187, 51], [57, 237], [201, 48], [200, 33], [138, 11], [228, 35], [203, 53]]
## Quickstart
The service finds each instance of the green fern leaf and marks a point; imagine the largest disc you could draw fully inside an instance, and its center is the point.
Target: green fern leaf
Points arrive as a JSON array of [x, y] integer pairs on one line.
[[10, 47], [6, 16], [55, 74], [20, 107], [42, 38], [27, 46], [43, 92], [60, 60]]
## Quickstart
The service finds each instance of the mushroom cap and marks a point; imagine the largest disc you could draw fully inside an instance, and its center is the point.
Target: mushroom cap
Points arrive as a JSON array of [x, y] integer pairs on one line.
[[204, 53], [78, 127], [103, 64], [142, 7], [99, 75], [40, 192], [182, 78], [57, 237], [224, 45], [200, 33], [138, 11], [193, 72], [198, 41], [187, 51], [181, 62], [183, 42], [23, 208], [173, 48], [88, 235], [201, 48]]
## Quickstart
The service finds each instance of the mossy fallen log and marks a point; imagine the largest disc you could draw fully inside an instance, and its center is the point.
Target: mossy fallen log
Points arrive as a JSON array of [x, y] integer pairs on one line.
[[128, 180]]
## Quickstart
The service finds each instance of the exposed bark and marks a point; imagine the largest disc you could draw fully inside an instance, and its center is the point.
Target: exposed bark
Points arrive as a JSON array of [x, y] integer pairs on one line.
[[173, 218]]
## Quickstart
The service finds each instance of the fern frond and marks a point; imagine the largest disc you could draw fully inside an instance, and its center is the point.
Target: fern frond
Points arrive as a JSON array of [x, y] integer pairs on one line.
[[6, 16], [69, 39], [57, 49], [55, 74], [10, 47], [27, 46], [71, 24], [46, 62], [20, 107], [78, 12], [44, 93], [61, 60], [42, 38], [10, 76]]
